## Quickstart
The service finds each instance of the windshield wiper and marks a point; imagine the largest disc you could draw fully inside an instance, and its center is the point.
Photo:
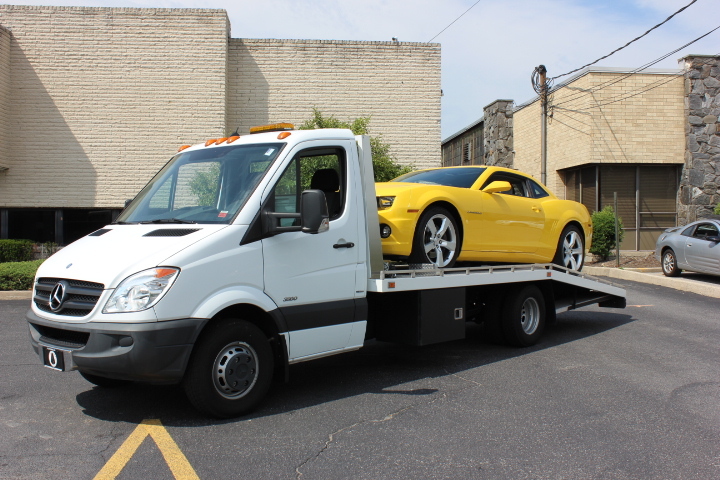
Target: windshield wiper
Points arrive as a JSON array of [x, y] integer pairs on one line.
[[166, 220], [123, 223]]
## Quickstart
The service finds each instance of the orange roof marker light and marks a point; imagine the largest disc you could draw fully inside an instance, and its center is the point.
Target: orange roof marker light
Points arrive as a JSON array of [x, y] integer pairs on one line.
[[210, 142], [282, 135], [232, 138], [275, 127], [220, 140], [183, 147]]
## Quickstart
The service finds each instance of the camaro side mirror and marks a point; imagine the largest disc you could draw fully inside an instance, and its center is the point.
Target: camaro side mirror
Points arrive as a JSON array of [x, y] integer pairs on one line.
[[498, 186]]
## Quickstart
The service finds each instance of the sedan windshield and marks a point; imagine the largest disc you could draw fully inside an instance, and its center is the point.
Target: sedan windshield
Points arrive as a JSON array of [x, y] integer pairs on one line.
[[203, 186], [449, 177]]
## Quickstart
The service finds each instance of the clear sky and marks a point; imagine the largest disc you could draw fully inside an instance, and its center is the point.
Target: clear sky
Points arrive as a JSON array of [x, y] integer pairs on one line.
[[490, 52]]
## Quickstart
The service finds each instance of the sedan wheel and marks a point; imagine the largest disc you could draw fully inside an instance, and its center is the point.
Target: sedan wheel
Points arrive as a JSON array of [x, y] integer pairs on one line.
[[669, 264], [436, 239], [571, 249]]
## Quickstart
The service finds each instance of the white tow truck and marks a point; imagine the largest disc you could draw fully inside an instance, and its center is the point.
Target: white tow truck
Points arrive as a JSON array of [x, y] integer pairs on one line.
[[247, 254]]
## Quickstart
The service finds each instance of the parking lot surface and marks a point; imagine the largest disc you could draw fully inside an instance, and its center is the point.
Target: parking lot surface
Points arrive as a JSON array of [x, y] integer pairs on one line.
[[607, 394]]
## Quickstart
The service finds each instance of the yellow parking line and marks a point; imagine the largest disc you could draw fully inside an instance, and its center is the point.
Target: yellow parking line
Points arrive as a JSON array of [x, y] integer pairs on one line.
[[175, 459]]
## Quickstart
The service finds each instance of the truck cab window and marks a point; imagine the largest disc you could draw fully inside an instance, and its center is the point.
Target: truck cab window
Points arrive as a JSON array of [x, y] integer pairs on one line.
[[322, 169]]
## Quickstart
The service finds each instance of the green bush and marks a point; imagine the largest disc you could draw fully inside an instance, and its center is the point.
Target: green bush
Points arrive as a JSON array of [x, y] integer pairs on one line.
[[16, 250], [18, 275], [717, 209], [603, 237]]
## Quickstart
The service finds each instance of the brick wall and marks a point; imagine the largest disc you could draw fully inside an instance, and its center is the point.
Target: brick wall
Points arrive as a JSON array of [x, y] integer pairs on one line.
[[596, 120], [4, 98], [397, 84], [102, 97]]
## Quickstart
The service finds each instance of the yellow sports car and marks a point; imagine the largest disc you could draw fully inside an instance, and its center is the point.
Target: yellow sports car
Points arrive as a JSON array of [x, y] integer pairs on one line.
[[479, 214]]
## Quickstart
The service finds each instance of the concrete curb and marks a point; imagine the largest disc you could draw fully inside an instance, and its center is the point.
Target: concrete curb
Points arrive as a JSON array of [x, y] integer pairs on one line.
[[16, 295], [645, 275]]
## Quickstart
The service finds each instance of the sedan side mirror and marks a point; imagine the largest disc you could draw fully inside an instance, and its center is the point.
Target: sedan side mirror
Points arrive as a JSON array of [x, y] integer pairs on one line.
[[498, 186], [713, 238]]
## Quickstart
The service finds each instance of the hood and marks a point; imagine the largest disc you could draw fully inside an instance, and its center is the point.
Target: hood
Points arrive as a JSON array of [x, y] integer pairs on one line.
[[394, 188], [114, 252]]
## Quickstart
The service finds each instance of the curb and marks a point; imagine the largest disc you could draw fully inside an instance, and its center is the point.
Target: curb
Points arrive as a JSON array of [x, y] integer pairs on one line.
[[643, 275], [16, 295]]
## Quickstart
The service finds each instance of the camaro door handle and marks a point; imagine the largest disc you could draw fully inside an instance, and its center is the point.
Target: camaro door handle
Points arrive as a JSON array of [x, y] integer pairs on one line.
[[344, 245]]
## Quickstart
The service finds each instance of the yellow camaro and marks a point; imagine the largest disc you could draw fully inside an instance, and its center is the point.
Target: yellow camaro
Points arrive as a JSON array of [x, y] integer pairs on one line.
[[479, 214]]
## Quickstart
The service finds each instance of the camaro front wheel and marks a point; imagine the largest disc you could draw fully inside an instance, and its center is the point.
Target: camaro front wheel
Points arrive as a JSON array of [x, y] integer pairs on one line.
[[437, 238]]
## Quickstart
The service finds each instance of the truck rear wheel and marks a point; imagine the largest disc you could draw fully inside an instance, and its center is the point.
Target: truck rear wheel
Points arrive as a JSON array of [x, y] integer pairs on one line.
[[230, 370], [523, 318]]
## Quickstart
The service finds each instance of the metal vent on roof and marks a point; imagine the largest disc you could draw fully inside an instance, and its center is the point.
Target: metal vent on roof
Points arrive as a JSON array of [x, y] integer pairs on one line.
[[171, 232]]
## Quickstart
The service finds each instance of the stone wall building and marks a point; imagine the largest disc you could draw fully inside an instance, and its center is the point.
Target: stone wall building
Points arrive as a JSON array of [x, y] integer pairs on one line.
[[93, 101], [650, 136]]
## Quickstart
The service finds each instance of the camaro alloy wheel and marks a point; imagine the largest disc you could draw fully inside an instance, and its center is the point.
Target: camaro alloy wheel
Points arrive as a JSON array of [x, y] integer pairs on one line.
[[438, 241], [571, 250]]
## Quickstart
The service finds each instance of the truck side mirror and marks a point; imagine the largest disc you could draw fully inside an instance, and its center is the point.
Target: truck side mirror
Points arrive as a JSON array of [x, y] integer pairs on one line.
[[313, 216], [314, 212]]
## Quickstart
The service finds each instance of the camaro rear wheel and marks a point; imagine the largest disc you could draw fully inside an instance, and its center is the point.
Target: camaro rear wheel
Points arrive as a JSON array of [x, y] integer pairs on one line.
[[570, 252], [230, 370], [437, 238], [669, 264]]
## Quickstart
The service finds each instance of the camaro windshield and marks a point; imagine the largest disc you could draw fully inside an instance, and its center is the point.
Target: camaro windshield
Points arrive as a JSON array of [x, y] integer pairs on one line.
[[203, 186], [449, 177]]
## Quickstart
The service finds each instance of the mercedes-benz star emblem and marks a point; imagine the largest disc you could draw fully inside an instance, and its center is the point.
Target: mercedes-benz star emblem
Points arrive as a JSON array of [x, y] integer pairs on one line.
[[58, 295]]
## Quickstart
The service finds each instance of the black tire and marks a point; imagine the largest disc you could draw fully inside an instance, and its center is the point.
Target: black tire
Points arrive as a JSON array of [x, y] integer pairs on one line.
[[104, 381], [230, 370], [437, 238], [669, 263], [523, 319], [570, 251]]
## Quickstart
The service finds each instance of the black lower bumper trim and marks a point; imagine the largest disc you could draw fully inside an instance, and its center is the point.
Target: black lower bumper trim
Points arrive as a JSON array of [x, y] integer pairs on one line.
[[155, 352]]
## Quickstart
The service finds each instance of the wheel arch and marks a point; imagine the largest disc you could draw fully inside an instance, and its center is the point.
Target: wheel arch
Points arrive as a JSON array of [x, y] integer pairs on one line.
[[453, 211], [272, 324]]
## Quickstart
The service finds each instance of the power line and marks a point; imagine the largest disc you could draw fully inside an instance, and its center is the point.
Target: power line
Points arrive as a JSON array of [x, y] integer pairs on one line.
[[628, 43], [578, 96], [458, 18]]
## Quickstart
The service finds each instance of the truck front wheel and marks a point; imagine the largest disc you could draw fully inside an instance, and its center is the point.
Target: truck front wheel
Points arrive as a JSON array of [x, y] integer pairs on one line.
[[523, 318], [230, 370]]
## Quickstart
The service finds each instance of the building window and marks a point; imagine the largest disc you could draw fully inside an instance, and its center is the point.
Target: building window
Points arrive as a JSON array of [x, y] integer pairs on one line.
[[466, 155], [647, 197], [61, 226]]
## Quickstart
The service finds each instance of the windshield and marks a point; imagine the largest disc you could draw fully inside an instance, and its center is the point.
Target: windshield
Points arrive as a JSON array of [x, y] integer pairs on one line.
[[450, 177], [203, 186]]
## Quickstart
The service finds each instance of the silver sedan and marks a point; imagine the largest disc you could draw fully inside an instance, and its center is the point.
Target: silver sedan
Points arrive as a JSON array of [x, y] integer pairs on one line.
[[694, 247]]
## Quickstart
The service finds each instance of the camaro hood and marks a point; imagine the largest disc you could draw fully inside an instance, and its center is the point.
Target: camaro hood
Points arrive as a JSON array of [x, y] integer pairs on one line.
[[111, 254]]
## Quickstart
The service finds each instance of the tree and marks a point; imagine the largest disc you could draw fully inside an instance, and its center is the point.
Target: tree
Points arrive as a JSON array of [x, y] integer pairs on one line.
[[385, 165], [603, 237]]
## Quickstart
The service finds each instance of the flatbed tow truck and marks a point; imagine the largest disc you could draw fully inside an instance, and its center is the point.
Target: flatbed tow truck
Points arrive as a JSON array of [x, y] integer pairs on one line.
[[245, 255]]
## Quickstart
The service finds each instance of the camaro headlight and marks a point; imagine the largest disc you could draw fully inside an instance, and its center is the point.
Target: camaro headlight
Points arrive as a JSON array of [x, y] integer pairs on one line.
[[142, 290], [385, 202]]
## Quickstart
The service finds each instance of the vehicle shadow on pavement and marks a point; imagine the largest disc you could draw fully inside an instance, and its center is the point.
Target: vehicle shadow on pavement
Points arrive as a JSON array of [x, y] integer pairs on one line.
[[378, 368]]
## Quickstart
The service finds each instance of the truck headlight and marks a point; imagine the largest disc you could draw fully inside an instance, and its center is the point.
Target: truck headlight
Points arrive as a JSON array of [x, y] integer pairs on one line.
[[385, 202], [141, 290]]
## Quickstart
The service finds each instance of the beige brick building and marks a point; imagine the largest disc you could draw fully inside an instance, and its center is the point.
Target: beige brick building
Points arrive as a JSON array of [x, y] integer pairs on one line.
[[93, 101]]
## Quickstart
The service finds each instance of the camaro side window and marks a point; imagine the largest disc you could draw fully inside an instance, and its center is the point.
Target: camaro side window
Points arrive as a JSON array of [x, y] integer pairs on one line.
[[322, 169]]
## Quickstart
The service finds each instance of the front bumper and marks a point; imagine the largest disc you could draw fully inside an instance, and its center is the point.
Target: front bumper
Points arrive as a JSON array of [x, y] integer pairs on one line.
[[155, 352]]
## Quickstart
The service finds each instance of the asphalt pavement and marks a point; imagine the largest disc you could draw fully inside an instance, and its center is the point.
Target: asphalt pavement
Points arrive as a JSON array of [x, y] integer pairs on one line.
[[628, 393]]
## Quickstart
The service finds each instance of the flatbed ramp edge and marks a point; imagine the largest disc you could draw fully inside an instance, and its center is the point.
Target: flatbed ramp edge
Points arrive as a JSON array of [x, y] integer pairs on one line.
[[572, 289]]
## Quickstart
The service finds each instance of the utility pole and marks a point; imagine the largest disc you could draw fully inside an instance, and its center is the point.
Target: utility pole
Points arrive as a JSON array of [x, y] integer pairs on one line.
[[543, 125], [540, 85]]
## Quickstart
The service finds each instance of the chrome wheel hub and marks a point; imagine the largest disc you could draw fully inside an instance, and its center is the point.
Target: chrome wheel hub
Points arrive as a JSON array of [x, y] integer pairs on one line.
[[440, 240]]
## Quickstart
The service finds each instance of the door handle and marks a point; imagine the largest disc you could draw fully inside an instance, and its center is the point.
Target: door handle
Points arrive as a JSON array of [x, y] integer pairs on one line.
[[344, 245], [536, 208]]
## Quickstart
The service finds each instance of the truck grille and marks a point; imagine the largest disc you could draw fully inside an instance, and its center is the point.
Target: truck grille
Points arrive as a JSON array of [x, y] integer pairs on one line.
[[80, 296], [62, 338]]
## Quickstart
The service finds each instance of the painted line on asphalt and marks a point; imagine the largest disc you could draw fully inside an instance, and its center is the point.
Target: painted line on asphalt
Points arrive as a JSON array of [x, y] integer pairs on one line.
[[175, 459]]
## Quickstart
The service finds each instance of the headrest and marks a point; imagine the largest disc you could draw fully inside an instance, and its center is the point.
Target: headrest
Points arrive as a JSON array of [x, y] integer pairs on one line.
[[326, 179]]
